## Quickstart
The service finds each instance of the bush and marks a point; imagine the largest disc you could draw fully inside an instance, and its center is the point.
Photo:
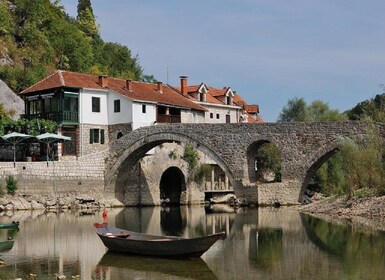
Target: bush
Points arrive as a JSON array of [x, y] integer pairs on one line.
[[191, 156], [11, 185], [2, 188], [201, 172]]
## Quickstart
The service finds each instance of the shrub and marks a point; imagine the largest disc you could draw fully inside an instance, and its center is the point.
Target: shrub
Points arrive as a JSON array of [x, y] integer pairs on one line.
[[2, 188], [191, 156], [11, 185], [201, 172]]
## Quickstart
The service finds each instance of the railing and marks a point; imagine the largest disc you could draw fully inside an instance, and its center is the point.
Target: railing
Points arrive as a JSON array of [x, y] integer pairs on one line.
[[60, 117], [168, 119]]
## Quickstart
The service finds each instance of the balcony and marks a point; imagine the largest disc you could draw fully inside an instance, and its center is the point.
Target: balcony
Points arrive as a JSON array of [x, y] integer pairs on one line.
[[168, 118], [65, 117]]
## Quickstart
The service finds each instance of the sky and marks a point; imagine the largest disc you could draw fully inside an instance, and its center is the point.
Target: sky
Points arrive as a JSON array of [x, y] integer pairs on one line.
[[268, 51]]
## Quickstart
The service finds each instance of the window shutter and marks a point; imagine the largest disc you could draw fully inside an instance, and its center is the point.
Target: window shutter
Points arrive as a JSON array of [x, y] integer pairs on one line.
[[102, 136], [91, 136]]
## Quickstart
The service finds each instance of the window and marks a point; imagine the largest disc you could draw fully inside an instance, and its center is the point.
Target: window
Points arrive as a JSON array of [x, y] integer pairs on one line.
[[34, 107], [96, 104], [50, 105], [202, 97], [229, 100], [96, 136], [116, 106], [211, 115], [143, 109], [218, 116]]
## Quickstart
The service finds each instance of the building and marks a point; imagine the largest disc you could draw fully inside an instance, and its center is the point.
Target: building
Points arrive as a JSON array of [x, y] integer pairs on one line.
[[94, 110], [222, 105]]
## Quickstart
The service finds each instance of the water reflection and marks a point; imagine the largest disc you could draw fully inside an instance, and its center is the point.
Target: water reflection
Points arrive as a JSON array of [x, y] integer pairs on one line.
[[266, 247], [265, 243], [358, 248], [118, 266]]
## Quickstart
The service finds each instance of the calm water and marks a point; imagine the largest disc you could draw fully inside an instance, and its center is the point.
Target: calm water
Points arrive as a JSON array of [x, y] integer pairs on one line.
[[262, 243]]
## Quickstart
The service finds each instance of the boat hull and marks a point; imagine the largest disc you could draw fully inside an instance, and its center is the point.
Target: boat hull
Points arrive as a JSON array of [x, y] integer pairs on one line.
[[122, 241]]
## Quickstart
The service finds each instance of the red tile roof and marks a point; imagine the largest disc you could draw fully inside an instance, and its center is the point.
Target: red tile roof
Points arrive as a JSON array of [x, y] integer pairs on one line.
[[252, 109], [140, 91]]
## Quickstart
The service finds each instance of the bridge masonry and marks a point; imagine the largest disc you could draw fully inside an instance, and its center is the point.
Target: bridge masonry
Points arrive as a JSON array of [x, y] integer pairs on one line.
[[304, 147]]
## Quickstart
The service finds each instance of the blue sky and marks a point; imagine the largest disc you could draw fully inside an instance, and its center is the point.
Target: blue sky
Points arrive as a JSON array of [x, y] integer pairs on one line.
[[269, 51]]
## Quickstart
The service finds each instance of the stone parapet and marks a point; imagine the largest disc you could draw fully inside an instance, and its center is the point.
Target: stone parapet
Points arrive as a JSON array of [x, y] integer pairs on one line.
[[83, 175]]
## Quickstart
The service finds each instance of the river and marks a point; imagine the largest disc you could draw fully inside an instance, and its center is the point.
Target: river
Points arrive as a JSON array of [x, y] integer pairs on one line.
[[264, 243]]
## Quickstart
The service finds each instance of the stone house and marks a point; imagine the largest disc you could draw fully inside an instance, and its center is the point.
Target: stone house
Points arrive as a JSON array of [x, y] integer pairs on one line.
[[94, 110]]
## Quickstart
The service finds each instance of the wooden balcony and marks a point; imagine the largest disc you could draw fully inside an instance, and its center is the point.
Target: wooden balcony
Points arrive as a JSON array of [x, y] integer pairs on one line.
[[168, 118], [65, 117]]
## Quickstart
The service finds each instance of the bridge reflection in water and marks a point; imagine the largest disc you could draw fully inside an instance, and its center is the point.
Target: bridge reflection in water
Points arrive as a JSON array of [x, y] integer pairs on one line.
[[263, 243]]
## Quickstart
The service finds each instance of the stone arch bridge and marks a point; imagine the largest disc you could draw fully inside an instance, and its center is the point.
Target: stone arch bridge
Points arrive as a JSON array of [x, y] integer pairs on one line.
[[304, 147]]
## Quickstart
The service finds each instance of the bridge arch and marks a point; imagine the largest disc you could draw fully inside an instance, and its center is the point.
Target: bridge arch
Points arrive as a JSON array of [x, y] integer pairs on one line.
[[252, 153], [172, 184], [139, 146], [318, 158]]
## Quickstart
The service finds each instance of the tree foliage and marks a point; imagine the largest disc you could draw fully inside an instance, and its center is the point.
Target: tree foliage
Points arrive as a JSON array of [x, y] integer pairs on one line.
[[268, 160], [297, 110], [39, 37], [372, 109], [31, 127]]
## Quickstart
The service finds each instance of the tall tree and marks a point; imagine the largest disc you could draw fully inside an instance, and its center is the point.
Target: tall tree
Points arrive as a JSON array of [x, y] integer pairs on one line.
[[86, 18], [297, 110], [294, 111]]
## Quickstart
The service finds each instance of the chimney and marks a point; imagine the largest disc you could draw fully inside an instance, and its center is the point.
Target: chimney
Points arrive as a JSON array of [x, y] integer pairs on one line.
[[183, 84], [103, 81], [129, 85], [159, 87]]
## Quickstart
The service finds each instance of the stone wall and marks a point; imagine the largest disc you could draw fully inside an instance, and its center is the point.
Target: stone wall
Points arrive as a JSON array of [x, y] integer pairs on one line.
[[84, 176], [87, 148]]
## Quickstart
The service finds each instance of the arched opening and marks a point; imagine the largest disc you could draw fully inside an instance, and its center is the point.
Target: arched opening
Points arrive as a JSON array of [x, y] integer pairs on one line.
[[264, 162], [172, 184], [324, 175], [119, 135]]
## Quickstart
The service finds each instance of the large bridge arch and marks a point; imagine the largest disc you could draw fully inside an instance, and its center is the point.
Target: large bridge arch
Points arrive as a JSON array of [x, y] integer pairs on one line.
[[319, 157], [141, 145]]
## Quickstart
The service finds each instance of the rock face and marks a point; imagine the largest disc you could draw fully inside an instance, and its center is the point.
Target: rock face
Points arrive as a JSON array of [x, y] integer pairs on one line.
[[11, 101]]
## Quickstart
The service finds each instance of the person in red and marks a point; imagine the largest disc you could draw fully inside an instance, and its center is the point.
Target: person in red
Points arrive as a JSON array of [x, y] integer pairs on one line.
[[104, 214]]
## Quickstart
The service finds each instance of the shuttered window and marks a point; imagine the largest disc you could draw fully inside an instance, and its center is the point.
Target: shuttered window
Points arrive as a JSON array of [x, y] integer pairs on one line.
[[97, 136]]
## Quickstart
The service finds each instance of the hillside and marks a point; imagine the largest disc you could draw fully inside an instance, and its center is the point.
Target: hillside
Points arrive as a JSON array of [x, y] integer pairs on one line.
[[12, 104], [38, 37]]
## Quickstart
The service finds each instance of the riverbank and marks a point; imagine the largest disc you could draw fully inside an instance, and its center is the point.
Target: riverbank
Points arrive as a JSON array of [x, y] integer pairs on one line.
[[10, 204], [367, 211]]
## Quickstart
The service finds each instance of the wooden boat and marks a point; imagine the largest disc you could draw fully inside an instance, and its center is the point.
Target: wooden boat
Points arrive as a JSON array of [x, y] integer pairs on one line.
[[129, 242], [13, 225]]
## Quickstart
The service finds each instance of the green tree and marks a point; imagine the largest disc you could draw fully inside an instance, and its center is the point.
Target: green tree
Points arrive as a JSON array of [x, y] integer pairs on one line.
[[86, 18], [43, 34], [5, 22], [297, 110], [269, 160], [294, 111], [372, 109]]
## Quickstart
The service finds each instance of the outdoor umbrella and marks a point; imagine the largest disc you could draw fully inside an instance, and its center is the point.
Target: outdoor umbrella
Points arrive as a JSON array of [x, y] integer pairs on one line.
[[49, 138], [15, 138]]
